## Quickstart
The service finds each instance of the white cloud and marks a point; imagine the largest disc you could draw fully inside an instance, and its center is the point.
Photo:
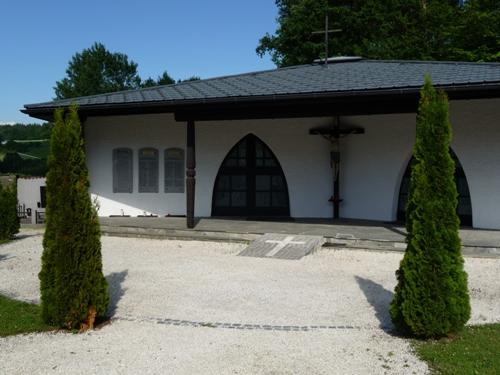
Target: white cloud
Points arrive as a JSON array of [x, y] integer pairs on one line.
[[7, 123]]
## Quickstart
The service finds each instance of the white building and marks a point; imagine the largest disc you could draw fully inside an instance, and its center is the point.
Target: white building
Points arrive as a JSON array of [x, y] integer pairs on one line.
[[270, 143], [31, 199]]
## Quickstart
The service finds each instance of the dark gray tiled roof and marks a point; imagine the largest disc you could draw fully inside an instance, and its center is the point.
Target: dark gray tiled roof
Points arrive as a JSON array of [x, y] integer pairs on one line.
[[339, 77]]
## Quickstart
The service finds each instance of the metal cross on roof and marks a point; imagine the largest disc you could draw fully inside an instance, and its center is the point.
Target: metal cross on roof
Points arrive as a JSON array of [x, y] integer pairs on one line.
[[327, 32]]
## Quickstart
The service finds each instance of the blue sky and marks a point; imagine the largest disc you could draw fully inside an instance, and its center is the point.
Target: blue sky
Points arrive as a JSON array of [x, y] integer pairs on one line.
[[203, 38]]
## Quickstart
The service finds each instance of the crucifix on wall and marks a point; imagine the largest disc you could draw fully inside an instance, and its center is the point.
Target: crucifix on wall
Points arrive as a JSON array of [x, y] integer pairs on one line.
[[333, 132]]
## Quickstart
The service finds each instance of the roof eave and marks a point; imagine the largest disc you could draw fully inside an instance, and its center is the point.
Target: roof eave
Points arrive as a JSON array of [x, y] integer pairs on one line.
[[468, 91]]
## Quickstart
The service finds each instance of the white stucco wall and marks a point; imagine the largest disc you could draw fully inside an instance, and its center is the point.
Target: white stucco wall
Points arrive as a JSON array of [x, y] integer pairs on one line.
[[372, 164], [28, 193], [102, 135], [304, 159], [476, 141]]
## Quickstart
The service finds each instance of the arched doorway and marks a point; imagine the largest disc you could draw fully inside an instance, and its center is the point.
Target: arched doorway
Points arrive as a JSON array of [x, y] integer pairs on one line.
[[464, 208], [250, 182]]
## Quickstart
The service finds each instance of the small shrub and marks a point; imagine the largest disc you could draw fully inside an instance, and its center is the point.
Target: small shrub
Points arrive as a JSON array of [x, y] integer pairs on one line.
[[431, 298], [9, 222]]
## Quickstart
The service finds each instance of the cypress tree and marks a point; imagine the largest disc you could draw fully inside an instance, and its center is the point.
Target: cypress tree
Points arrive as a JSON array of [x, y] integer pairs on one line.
[[9, 222], [74, 291], [431, 298]]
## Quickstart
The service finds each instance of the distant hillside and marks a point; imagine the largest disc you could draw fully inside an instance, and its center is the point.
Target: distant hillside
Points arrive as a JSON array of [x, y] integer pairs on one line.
[[25, 131], [24, 149]]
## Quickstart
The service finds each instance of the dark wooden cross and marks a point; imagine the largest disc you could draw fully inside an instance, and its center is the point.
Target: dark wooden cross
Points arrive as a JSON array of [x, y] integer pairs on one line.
[[327, 33]]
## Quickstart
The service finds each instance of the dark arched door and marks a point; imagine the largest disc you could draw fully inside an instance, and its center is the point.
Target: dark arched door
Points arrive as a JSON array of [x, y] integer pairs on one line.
[[464, 208], [250, 182]]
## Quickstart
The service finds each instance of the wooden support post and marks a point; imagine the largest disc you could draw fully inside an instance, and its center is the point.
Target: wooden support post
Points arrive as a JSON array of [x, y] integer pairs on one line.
[[190, 173], [336, 193], [336, 171]]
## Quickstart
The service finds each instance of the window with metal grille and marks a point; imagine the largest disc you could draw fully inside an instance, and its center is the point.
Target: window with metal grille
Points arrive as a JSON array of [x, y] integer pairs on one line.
[[174, 170], [148, 170], [122, 170]]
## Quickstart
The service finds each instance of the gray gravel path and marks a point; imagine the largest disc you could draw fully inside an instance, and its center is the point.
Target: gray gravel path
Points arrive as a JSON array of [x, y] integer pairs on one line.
[[187, 307]]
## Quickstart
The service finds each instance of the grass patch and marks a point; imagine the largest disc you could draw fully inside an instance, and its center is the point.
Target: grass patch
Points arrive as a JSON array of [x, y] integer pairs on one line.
[[20, 317], [475, 351]]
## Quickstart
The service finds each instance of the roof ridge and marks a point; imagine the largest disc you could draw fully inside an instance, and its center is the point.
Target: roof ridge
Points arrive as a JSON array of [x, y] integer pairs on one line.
[[229, 76], [425, 62]]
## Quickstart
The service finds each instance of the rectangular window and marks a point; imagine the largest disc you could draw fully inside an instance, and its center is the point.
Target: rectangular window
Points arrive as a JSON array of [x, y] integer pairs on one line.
[[148, 170], [174, 170], [122, 170]]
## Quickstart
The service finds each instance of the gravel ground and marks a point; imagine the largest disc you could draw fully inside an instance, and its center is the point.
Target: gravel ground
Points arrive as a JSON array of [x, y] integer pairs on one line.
[[204, 283]]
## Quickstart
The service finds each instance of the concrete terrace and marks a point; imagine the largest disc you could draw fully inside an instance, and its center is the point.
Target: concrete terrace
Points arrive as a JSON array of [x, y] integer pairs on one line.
[[356, 234]]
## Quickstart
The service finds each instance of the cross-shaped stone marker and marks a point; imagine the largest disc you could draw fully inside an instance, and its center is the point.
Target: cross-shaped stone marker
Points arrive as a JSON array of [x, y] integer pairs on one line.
[[281, 244]]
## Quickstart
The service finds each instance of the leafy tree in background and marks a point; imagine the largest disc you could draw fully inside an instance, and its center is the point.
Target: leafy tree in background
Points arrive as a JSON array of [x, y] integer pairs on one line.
[[478, 32], [95, 70], [164, 79], [385, 29], [431, 298], [189, 79], [74, 291]]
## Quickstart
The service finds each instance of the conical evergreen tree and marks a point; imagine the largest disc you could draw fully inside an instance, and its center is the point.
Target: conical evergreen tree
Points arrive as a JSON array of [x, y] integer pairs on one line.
[[431, 298], [73, 289]]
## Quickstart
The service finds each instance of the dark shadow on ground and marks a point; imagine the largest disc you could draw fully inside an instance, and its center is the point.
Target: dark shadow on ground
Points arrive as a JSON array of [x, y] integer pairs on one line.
[[196, 222], [5, 257], [380, 298], [22, 236], [396, 230], [116, 290]]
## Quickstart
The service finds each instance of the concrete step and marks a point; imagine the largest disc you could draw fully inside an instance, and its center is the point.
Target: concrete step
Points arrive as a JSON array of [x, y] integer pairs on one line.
[[178, 234]]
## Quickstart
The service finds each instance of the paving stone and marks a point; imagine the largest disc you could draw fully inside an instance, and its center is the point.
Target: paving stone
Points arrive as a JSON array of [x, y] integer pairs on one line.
[[283, 246]]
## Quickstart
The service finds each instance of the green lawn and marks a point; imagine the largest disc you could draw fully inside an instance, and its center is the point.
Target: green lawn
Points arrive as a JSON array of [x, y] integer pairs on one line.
[[475, 351], [20, 317]]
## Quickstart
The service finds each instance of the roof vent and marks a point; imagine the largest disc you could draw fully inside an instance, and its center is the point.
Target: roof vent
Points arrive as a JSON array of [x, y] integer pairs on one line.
[[338, 59]]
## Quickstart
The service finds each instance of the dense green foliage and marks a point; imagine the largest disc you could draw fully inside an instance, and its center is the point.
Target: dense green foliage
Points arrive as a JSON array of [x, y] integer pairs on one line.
[[25, 149], [96, 70], [20, 317], [18, 132], [72, 284], [431, 298], [164, 79], [14, 163], [189, 79], [386, 29], [9, 222], [475, 351]]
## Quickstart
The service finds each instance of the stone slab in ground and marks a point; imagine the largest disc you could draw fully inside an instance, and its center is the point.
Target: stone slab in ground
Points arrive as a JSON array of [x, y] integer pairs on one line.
[[283, 246]]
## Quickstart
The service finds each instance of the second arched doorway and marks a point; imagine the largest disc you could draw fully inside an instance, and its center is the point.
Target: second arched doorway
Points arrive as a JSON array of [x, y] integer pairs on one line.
[[464, 208], [250, 182]]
